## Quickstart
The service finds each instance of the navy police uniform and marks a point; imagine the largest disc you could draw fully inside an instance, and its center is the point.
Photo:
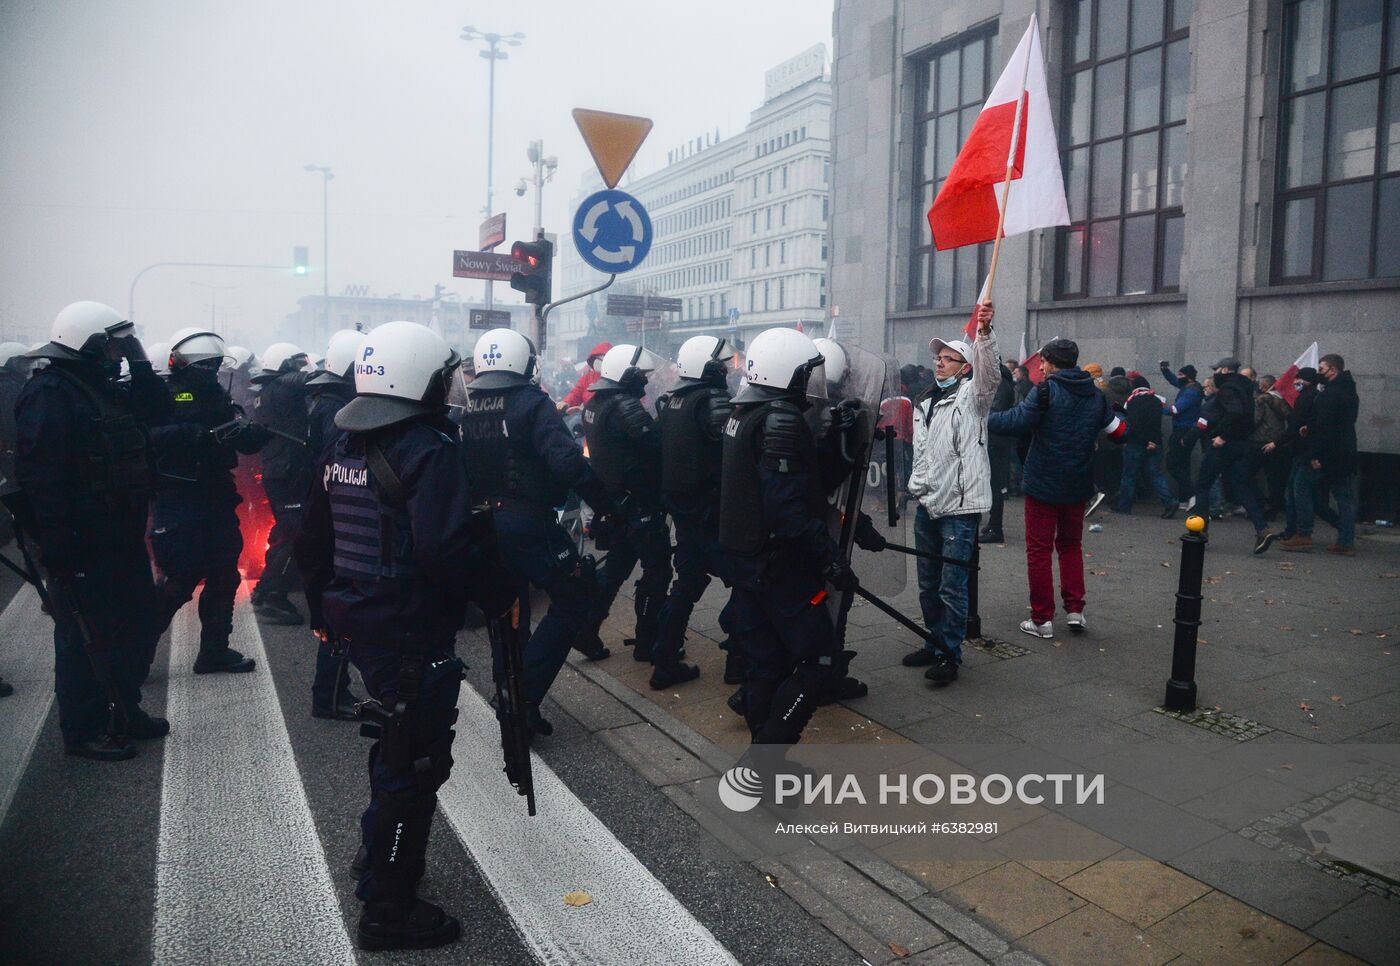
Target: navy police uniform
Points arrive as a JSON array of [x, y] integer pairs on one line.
[[624, 446], [195, 534], [83, 461], [772, 526], [330, 686], [522, 462], [287, 469], [692, 420], [391, 572]]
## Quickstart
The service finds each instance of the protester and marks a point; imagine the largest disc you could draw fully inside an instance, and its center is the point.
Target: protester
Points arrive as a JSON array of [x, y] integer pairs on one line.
[[1332, 450], [1302, 478], [1271, 413], [952, 482], [1142, 453], [1228, 429], [1063, 418], [1184, 410], [578, 395]]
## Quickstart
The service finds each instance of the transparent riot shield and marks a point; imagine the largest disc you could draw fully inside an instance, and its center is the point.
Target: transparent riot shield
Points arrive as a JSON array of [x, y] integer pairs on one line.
[[873, 460]]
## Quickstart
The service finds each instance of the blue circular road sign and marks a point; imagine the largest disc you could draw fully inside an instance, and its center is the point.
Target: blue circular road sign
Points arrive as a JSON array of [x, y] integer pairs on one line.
[[612, 231]]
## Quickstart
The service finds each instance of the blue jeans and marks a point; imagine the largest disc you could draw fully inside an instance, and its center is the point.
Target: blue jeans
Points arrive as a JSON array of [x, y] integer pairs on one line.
[[1344, 517], [943, 588], [1298, 498], [1230, 462], [1136, 461]]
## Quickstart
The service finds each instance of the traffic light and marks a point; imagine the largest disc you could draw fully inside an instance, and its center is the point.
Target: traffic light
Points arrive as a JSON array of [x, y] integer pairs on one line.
[[299, 260], [538, 257]]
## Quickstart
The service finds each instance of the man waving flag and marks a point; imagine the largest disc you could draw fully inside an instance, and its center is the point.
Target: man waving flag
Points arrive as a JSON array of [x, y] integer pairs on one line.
[[1006, 179]]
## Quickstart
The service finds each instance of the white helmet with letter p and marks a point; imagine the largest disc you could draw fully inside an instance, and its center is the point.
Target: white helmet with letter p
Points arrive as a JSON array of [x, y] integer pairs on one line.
[[403, 370], [503, 357]]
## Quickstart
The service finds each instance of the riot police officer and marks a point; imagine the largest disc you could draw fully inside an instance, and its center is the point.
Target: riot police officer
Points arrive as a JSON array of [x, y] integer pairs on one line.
[[692, 418], [329, 391], [195, 534], [523, 462], [281, 405], [624, 447], [772, 525], [389, 545], [14, 373], [82, 460]]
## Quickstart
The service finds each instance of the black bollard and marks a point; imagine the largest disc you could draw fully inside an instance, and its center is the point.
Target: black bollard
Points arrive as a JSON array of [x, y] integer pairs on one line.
[[974, 620], [1181, 687]]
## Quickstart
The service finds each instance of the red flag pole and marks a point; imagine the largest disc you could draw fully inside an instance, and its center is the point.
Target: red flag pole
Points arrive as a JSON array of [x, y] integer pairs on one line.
[[1010, 169]]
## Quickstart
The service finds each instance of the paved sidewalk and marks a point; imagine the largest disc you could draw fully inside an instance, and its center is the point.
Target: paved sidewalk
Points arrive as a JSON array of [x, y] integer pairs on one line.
[[1265, 828]]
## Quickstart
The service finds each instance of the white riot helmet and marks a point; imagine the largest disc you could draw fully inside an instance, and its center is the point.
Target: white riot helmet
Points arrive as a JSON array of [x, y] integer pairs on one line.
[[236, 357], [779, 364], [503, 357], [194, 345], [402, 370], [81, 331], [9, 351], [341, 352], [834, 360], [625, 367], [282, 357], [159, 354], [699, 359]]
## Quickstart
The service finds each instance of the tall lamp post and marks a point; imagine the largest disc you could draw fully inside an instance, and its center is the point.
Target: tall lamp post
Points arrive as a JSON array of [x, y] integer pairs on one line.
[[214, 291], [491, 54], [326, 177]]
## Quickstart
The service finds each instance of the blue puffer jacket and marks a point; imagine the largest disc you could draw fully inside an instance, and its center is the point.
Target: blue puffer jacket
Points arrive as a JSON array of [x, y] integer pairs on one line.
[[1063, 433]]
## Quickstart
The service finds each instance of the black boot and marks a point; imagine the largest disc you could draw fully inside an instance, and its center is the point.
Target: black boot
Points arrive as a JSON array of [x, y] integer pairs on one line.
[[216, 659], [105, 748], [991, 535], [6, 688], [345, 711], [736, 702], [389, 925], [673, 674], [640, 652], [145, 727], [943, 672], [735, 667], [359, 865], [591, 647], [277, 609]]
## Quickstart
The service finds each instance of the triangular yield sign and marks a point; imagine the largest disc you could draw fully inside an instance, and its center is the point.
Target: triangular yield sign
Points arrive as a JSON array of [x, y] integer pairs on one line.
[[612, 139]]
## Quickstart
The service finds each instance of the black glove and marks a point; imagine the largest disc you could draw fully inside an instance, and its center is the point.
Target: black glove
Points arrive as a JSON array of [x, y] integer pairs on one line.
[[843, 414], [867, 537], [603, 530], [253, 436], [130, 348], [1164, 364], [841, 576]]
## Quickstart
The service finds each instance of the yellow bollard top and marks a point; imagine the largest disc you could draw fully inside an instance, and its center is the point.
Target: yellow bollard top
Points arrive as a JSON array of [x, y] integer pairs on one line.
[[1195, 523]]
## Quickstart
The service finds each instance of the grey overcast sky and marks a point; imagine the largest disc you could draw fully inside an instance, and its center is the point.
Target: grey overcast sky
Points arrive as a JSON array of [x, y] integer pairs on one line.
[[139, 131]]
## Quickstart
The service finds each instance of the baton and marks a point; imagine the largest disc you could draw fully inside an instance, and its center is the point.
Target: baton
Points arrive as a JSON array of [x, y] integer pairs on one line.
[[929, 555], [223, 428], [926, 634]]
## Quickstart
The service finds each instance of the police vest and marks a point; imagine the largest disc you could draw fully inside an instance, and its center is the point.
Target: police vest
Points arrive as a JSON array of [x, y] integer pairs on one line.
[[373, 540], [622, 464], [281, 405], [690, 460], [502, 467], [743, 528], [206, 403], [113, 459]]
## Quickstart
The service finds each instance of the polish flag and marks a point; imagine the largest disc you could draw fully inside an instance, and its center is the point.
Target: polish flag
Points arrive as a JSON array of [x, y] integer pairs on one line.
[[1285, 382], [1033, 369], [1014, 131], [1021, 356]]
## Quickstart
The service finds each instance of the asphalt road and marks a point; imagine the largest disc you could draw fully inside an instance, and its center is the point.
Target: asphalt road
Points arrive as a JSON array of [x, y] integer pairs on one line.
[[230, 841]]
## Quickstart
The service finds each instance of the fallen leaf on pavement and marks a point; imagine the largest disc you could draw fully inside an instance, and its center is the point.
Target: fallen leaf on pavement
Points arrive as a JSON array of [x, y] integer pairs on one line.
[[1202, 640], [1336, 697], [898, 950], [1382, 637], [772, 879], [1285, 627], [577, 898], [1357, 632], [1166, 563]]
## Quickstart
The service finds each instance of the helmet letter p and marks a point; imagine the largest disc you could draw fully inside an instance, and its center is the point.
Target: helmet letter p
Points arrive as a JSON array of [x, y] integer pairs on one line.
[[369, 351]]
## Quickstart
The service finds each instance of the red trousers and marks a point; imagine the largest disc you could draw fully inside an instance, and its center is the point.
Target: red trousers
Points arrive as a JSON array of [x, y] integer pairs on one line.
[[1060, 525]]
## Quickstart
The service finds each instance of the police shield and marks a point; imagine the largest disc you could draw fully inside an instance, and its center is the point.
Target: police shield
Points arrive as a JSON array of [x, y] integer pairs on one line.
[[871, 455]]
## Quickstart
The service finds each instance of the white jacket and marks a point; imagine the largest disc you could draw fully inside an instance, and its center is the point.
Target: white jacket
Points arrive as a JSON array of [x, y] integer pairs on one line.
[[952, 474]]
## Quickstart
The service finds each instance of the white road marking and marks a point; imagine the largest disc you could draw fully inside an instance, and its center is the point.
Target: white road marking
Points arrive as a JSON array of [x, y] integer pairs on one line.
[[532, 863], [241, 875], [26, 661]]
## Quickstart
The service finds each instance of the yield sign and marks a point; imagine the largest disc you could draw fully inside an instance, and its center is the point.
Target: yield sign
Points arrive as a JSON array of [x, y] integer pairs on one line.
[[612, 139]]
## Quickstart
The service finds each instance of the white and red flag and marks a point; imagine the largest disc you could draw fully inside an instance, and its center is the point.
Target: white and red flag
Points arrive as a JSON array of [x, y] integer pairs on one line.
[[1285, 382], [1010, 158]]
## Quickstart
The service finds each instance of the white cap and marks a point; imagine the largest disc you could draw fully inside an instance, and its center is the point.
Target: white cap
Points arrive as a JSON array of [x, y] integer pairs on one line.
[[957, 345]]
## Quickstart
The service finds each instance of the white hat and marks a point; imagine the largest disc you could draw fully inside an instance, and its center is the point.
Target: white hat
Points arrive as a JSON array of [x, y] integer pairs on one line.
[[957, 345]]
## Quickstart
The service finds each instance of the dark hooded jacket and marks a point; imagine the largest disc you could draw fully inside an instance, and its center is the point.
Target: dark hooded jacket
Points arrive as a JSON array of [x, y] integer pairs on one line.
[[1332, 427], [1063, 418]]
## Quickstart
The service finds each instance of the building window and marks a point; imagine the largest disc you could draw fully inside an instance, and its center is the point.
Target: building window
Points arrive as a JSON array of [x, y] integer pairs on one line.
[[1128, 70], [781, 297], [765, 296], [782, 212], [767, 255], [770, 182], [768, 217], [785, 167], [1337, 214], [825, 209], [753, 257], [782, 253]]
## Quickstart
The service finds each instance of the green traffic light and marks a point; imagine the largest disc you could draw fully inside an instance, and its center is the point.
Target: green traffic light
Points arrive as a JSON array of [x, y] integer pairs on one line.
[[301, 269]]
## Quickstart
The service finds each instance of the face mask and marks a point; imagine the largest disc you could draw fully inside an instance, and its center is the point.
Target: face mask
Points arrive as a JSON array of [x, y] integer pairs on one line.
[[945, 383]]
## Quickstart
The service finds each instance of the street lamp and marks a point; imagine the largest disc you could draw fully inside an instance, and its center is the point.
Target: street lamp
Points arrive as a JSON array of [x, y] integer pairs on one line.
[[214, 291], [326, 177], [491, 54]]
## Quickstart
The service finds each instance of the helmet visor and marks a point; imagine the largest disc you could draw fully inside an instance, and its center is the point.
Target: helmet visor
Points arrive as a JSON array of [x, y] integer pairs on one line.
[[198, 348]]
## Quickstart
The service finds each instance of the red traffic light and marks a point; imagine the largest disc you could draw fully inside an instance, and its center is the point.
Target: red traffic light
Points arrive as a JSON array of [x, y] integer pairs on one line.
[[534, 279], [526, 252]]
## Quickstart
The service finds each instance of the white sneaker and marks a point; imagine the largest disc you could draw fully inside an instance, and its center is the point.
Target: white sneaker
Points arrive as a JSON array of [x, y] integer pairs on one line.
[[1190, 504], [1077, 623], [1045, 631]]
